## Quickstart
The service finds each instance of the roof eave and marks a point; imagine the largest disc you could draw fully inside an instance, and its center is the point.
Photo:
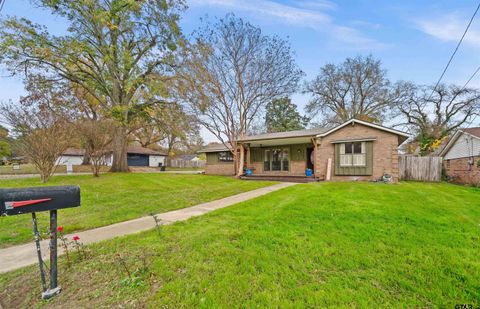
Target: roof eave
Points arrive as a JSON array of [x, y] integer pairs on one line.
[[369, 124], [274, 138], [452, 141]]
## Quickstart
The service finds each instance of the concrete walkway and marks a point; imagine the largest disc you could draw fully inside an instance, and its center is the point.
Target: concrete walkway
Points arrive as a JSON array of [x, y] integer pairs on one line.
[[23, 255]]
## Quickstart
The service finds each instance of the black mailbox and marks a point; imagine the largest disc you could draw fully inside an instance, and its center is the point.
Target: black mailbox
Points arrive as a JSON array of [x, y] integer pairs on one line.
[[32, 200], [28, 200]]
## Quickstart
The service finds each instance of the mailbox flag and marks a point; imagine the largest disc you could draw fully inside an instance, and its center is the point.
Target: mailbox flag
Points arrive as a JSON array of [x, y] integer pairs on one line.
[[10, 205], [26, 200]]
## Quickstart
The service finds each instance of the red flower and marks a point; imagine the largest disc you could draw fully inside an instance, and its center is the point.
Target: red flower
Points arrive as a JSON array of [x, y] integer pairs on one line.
[[75, 237], [60, 229]]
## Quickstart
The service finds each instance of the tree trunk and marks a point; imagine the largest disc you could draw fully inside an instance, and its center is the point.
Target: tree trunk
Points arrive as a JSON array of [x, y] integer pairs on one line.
[[120, 143], [241, 159], [87, 157]]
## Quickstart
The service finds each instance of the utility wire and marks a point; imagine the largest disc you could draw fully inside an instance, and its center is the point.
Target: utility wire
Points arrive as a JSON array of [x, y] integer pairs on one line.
[[471, 77], [465, 86], [455, 51], [2, 2]]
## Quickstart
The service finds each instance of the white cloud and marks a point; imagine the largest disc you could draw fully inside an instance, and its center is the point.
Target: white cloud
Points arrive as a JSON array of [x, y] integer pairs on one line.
[[316, 5], [301, 14], [450, 28]]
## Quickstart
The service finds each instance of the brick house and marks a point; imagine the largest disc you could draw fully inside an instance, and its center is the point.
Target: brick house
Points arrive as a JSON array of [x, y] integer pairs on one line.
[[354, 150], [461, 156]]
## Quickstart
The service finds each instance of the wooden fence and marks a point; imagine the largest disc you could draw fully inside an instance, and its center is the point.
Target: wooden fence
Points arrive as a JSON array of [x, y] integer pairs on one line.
[[185, 163], [420, 168]]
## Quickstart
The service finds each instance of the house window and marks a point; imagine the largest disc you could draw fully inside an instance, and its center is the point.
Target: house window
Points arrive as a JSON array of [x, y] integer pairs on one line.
[[225, 156], [353, 154], [276, 160]]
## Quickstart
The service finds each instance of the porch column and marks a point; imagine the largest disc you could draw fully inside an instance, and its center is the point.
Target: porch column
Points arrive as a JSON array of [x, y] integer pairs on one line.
[[247, 147]]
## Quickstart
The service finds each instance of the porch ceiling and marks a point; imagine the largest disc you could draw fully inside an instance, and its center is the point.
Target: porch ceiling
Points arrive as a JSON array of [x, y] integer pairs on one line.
[[280, 141]]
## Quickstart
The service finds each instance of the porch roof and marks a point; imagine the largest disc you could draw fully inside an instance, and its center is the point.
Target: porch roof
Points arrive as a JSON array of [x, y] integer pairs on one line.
[[283, 138]]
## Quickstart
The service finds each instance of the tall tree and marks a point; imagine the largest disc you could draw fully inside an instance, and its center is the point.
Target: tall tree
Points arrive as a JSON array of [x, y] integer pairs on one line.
[[357, 88], [433, 113], [112, 50], [281, 115], [231, 73]]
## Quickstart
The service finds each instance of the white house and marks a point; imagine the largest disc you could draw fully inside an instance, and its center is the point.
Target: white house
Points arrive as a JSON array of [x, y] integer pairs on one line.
[[461, 156], [71, 156], [136, 156]]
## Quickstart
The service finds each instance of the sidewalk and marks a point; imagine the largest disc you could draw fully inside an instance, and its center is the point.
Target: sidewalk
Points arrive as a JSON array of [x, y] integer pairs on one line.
[[23, 255]]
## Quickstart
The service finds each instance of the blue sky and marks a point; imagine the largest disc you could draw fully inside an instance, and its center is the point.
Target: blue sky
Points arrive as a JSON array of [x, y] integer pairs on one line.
[[413, 39]]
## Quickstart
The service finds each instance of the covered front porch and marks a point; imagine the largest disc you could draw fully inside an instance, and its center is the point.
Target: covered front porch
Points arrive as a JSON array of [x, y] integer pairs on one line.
[[281, 159]]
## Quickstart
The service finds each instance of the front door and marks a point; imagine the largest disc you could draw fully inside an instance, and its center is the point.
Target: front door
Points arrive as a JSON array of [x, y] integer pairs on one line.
[[276, 160]]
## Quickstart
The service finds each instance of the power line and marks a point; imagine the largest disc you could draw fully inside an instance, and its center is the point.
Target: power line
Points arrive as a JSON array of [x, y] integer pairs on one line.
[[455, 51], [471, 77], [2, 2], [465, 86]]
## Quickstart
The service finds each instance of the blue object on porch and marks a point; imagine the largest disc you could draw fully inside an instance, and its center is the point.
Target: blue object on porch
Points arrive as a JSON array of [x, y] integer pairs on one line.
[[308, 173], [248, 172]]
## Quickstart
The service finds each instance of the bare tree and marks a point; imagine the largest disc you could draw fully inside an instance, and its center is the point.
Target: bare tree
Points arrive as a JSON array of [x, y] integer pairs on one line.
[[230, 74], [98, 137], [42, 129], [433, 113], [357, 88]]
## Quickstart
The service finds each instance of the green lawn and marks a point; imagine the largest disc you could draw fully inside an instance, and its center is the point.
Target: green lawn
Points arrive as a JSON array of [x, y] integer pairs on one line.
[[114, 198], [26, 169], [313, 245]]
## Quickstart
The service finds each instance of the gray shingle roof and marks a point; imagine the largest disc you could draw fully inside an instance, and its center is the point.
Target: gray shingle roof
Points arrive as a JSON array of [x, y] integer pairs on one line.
[[289, 134], [473, 131], [214, 147], [145, 151], [130, 149]]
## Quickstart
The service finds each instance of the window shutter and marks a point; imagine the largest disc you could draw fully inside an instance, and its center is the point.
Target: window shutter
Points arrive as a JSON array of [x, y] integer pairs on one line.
[[369, 158], [212, 157], [337, 158]]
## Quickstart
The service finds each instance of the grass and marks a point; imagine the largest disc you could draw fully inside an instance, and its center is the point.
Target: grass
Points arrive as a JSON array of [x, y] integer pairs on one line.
[[31, 169], [312, 245], [113, 198], [25, 169], [184, 168]]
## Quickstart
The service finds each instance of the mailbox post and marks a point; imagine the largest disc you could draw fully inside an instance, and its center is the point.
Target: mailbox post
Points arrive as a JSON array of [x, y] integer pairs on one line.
[[33, 200]]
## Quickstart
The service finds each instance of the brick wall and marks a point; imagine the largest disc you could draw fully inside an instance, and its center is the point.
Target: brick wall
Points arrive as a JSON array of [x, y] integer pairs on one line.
[[220, 169], [385, 154], [459, 170], [297, 168]]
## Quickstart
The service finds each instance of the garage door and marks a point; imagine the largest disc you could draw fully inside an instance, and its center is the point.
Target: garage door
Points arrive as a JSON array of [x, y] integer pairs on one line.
[[137, 160]]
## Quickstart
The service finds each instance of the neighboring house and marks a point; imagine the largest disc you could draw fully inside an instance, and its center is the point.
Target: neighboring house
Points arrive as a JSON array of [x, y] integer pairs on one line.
[[461, 156], [188, 157], [139, 156], [136, 156], [71, 156], [219, 160], [354, 150]]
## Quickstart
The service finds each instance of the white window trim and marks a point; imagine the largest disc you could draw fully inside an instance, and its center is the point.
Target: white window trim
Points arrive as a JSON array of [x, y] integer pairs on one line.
[[349, 160]]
